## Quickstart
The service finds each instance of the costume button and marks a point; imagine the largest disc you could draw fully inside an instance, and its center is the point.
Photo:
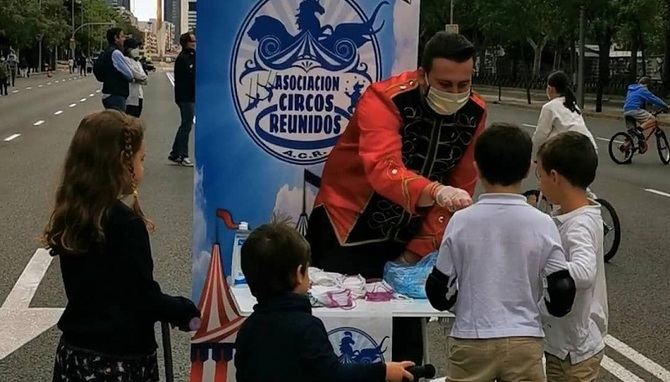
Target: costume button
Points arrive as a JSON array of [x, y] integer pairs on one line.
[[411, 83], [441, 219], [394, 171]]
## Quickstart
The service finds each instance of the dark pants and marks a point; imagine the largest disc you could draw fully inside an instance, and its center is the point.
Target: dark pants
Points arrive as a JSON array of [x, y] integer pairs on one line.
[[13, 73], [82, 70], [133, 110], [3, 86], [367, 260], [115, 102], [180, 145]]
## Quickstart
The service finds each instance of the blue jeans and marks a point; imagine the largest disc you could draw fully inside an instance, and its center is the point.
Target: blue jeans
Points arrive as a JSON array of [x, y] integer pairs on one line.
[[180, 145], [115, 102]]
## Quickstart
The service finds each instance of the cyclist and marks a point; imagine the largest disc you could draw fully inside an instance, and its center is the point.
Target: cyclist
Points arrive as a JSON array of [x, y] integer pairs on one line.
[[637, 98]]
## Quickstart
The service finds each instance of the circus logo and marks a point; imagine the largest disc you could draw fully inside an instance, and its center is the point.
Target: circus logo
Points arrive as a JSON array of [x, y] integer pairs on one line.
[[298, 69], [353, 345]]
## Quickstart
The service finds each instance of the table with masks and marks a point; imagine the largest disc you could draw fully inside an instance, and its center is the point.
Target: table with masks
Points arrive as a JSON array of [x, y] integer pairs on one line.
[[399, 294]]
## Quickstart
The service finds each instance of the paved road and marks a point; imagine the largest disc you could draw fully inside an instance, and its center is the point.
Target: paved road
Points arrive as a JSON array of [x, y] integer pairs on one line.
[[637, 278]]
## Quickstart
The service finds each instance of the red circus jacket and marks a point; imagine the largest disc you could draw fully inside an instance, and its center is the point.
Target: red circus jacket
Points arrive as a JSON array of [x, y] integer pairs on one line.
[[393, 147]]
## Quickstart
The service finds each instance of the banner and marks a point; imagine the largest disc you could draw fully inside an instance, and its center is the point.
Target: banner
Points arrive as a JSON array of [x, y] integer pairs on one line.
[[277, 83]]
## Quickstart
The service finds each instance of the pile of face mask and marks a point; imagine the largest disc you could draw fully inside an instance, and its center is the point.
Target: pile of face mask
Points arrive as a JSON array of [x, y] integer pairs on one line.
[[334, 290]]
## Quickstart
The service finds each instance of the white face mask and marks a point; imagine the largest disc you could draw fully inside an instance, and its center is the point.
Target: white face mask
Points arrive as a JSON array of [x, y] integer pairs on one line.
[[446, 103], [135, 53]]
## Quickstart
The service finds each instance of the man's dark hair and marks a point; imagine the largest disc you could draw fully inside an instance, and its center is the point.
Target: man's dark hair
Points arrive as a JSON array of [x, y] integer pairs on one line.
[[184, 39], [451, 46], [112, 34], [503, 153], [270, 256], [572, 155]]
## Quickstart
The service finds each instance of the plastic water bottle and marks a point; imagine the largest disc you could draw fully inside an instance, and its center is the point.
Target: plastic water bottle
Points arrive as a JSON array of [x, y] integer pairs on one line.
[[236, 275]]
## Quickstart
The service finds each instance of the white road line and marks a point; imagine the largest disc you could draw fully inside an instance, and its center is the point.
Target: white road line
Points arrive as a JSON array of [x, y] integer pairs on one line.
[[40, 85], [619, 371], [528, 125], [48, 83], [15, 91], [29, 88], [657, 370], [72, 105], [91, 95], [40, 122], [657, 192], [56, 81], [12, 137], [170, 77], [82, 100], [59, 112], [25, 288], [97, 91]]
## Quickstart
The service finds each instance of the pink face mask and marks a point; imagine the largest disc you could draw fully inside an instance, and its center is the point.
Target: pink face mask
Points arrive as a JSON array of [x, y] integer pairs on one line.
[[379, 293], [340, 299]]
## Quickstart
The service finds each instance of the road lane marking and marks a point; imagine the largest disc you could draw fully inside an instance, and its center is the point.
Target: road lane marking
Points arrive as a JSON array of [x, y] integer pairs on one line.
[[12, 137], [657, 370], [26, 286], [619, 371], [59, 112], [40, 85], [40, 122], [82, 100], [72, 105], [29, 88], [657, 192], [15, 91], [48, 83], [91, 95], [97, 91]]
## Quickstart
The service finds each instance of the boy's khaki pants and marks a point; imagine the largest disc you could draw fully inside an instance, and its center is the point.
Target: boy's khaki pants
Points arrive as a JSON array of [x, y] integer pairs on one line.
[[559, 370], [511, 359]]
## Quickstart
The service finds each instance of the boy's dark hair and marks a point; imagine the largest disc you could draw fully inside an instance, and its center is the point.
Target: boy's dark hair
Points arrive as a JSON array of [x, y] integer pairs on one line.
[[503, 153], [184, 39], [572, 155], [646, 81], [112, 34], [451, 46], [270, 256]]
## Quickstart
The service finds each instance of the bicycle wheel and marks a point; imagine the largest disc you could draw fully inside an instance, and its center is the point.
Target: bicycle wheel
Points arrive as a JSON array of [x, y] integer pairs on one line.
[[621, 148], [662, 146], [612, 229]]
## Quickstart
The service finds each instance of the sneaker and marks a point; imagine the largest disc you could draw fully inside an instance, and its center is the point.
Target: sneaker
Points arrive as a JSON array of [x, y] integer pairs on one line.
[[174, 160], [186, 162]]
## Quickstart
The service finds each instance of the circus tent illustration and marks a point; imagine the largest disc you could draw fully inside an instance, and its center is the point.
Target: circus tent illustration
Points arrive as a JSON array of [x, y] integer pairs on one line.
[[212, 346]]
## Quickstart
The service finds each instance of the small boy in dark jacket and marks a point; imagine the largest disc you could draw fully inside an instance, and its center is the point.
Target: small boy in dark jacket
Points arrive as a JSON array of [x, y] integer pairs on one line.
[[281, 341]]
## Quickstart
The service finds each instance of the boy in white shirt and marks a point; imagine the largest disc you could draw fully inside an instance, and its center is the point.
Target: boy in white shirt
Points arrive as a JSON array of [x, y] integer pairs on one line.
[[494, 259], [574, 344]]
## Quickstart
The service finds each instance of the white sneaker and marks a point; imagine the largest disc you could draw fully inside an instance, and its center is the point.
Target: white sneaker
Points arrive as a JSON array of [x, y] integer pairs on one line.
[[186, 162]]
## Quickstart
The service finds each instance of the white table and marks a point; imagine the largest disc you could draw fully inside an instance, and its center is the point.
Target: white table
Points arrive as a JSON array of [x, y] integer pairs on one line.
[[394, 308]]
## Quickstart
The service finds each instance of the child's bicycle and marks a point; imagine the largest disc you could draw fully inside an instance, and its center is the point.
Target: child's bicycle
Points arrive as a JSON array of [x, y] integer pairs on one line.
[[624, 144], [611, 224]]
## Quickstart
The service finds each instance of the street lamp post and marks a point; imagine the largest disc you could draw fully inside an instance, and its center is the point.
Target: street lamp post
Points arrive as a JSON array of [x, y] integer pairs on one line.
[[580, 65]]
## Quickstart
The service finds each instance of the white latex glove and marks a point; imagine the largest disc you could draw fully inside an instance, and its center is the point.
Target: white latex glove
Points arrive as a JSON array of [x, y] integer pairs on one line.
[[452, 198]]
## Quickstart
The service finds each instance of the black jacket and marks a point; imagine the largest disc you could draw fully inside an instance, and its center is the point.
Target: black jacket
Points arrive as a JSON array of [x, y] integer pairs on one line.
[[184, 76], [113, 300], [281, 341], [115, 82]]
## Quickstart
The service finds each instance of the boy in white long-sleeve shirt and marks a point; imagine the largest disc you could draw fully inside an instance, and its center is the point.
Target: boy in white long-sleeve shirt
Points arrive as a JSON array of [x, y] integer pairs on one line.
[[574, 344], [493, 263]]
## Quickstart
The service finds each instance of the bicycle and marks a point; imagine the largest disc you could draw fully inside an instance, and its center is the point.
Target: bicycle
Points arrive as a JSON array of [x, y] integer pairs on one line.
[[626, 143], [611, 223]]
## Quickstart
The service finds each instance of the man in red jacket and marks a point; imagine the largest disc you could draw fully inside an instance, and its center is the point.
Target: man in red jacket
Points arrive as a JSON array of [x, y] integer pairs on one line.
[[404, 164]]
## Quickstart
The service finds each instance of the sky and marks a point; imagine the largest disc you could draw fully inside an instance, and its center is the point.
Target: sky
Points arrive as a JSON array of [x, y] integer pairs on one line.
[[143, 9]]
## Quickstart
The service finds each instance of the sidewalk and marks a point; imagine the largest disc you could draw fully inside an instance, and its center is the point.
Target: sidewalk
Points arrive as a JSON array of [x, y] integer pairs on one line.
[[612, 107]]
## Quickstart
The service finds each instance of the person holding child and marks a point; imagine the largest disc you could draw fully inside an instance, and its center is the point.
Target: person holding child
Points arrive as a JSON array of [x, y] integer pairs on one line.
[[100, 234]]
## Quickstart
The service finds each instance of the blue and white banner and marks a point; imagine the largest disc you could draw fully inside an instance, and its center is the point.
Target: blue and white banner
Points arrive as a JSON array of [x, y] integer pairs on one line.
[[277, 83]]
